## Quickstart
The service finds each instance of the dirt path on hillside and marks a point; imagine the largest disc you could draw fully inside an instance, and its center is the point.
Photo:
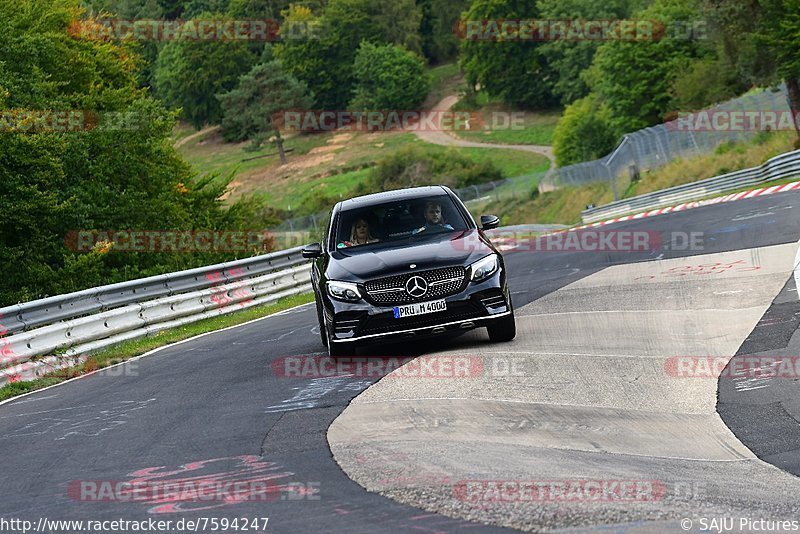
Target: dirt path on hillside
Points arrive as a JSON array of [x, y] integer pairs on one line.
[[204, 131], [441, 137]]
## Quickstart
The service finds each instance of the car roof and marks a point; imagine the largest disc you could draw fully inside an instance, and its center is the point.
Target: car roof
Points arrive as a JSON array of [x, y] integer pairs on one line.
[[388, 196]]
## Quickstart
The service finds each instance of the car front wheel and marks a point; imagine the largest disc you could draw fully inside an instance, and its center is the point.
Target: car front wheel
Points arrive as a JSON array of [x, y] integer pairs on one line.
[[503, 329]]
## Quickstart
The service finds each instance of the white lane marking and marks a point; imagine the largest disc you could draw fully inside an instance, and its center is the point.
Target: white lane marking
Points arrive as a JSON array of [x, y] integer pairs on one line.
[[83, 422], [158, 349], [290, 332], [753, 216], [537, 352], [797, 267], [311, 395], [47, 411], [35, 400], [578, 312]]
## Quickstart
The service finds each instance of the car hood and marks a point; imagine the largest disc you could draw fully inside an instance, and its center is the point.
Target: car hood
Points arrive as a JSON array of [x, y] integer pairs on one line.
[[428, 252]]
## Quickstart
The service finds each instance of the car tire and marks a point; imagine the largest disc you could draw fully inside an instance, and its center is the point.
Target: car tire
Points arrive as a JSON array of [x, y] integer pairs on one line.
[[503, 329], [323, 334]]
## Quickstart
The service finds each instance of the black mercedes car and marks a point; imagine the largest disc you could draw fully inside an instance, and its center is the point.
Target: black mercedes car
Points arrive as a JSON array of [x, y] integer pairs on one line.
[[407, 263]]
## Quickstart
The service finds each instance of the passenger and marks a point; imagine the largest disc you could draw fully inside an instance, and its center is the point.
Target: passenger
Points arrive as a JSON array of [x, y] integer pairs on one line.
[[433, 218], [360, 234]]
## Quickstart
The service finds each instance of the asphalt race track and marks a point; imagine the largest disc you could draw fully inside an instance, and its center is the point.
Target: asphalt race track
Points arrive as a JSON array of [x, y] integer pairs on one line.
[[214, 409]]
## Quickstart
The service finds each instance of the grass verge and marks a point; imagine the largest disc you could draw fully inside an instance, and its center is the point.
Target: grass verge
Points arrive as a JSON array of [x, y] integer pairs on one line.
[[527, 129], [135, 347], [727, 157], [562, 206]]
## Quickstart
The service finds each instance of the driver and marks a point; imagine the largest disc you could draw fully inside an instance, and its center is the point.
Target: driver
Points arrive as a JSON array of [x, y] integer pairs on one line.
[[433, 218]]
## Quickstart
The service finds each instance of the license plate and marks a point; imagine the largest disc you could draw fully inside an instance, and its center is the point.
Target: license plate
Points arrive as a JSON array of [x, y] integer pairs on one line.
[[420, 308]]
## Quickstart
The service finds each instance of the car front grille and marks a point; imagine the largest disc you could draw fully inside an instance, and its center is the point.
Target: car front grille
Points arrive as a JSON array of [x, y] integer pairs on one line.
[[392, 289]]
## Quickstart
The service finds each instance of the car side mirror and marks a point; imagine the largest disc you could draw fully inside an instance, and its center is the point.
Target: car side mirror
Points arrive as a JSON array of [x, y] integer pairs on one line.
[[489, 222], [312, 250]]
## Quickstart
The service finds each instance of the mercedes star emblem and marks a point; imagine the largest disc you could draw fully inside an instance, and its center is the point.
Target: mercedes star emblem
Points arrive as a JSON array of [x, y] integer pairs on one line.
[[416, 286]]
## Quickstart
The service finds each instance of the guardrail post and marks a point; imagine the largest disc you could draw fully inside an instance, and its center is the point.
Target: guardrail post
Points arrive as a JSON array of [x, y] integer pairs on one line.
[[613, 182]]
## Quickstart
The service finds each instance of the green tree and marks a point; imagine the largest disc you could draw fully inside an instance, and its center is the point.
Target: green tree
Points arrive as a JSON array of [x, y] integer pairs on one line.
[[634, 79], [325, 63], [760, 42], [569, 58], [733, 27], [780, 31], [249, 109], [189, 74], [197, 8], [122, 174], [440, 43], [513, 70], [388, 77], [134, 10], [707, 81], [584, 132]]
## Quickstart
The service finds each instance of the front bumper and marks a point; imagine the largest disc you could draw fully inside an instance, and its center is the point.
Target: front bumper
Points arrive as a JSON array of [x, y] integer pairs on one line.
[[473, 307]]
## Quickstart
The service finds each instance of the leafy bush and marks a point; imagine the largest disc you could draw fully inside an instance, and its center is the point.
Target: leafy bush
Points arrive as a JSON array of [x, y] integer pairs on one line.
[[388, 77], [413, 166], [584, 132]]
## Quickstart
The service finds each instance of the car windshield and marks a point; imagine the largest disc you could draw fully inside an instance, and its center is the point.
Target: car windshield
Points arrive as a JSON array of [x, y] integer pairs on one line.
[[397, 220]]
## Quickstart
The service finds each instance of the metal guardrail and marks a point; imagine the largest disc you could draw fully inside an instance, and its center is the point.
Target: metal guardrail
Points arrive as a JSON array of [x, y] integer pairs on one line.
[[60, 331], [655, 146], [777, 168]]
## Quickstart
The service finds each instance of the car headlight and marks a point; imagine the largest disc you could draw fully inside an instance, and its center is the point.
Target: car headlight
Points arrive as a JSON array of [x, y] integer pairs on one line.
[[483, 269], [344, 291]]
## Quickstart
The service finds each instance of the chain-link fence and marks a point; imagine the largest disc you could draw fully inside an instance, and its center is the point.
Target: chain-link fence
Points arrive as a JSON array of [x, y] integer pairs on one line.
[[656, 146]]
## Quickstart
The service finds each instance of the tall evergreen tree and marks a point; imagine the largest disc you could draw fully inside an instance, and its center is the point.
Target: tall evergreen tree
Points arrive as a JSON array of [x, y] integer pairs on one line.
[[251, 107]]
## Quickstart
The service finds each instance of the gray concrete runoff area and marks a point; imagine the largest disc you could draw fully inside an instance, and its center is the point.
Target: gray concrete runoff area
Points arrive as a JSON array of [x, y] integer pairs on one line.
[[585, 394]]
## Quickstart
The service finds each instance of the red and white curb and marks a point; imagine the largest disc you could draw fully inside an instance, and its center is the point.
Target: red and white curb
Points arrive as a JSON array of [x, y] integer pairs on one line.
[[509, 243], [689, 205]]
